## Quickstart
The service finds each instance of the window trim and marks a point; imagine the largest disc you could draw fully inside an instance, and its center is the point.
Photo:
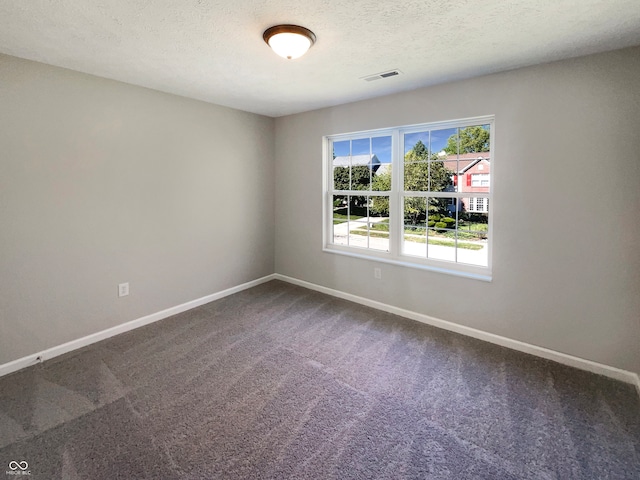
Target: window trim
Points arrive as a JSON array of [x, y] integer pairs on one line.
[[395, 256], [479, 178]]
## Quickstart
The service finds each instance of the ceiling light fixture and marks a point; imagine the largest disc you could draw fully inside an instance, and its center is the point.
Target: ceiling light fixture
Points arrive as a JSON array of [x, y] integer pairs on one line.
[[289, 41]]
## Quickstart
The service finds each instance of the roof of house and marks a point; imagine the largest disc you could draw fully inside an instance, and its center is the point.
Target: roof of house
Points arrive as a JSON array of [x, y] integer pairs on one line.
[[356, 160], [468, 160], [465, 161], [384, 168]]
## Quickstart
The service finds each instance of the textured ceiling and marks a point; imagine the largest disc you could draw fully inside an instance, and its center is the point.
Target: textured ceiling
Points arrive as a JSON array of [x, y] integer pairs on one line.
[[213, 50]]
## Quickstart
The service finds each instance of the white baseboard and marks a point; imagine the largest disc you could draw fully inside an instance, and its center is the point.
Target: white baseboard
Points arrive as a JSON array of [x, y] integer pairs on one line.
[[38, 357], [563, 358]]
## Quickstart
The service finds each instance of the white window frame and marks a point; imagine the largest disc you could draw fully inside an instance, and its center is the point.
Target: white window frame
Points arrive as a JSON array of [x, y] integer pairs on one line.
[[473, 204], [480, 179], [396, 195]]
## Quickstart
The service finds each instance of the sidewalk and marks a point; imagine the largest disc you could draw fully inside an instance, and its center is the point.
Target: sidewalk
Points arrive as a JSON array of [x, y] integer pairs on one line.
[[417, 249]]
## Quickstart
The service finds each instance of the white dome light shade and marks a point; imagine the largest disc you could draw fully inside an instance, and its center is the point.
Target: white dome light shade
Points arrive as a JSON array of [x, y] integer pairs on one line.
[[289, 45], [289, 41]]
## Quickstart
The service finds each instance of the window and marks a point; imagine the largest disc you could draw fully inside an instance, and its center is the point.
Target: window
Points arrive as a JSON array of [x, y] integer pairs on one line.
[[361, 179], [393, 195], [480, 179], [479, 205]]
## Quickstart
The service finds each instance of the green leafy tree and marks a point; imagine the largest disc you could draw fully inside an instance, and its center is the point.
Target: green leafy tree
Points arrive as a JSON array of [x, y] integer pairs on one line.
[[380, 205], [360, 178], [341, 178], [469, 140], [424, 173]]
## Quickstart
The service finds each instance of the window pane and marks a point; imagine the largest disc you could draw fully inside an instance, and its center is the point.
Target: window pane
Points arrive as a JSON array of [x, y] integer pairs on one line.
[[341, 162], [416, 177], [379, 206], [368, 226], [414, 226], [474, 205], [444, 142], [451, 172], [358, 221], [341, 177], [474, 139], [474, 159], [473, 225], [416, 168], [379, 223], [361, 146], [474, 252], [361, 164], [340, 219], [416, 144], [441, 233], [381, 164], [440, 177], [342, 149], [473, 230], [360, 174], [476, 175], [381, 181]]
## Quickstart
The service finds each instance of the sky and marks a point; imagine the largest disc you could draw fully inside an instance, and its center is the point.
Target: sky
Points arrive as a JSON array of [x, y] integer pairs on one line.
[[381, 146]]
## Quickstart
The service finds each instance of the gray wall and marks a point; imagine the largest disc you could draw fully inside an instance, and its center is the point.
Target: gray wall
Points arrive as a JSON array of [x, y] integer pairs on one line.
[[566, 181], [102, 183]]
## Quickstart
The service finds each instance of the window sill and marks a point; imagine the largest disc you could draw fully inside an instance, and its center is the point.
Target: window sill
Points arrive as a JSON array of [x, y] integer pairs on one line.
[[384, 258]]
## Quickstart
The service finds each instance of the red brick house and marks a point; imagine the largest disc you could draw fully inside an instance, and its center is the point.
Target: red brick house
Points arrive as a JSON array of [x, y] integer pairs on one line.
[[474, 176]]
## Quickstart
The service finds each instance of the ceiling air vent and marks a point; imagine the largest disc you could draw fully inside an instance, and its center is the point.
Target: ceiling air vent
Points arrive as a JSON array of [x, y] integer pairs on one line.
[[378, 76]]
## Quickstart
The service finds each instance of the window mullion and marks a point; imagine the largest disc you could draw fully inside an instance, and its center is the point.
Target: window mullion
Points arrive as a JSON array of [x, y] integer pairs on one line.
[[395, 199]]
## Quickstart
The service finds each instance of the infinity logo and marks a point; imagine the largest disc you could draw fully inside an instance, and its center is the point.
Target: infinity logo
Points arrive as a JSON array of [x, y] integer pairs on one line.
[[13, 465]]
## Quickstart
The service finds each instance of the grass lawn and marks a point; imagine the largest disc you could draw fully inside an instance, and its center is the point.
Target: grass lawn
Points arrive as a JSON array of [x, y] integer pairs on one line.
[[443, 243], [469, 231], [478, 228], [341, 218], [475, 227]]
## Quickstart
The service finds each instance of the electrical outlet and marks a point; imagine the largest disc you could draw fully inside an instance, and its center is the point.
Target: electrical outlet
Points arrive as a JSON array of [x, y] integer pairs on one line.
[[377, 273], [123, 289]]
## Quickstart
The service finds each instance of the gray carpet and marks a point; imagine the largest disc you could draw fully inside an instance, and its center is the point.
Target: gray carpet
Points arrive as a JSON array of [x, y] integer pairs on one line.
[[280, 382]]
